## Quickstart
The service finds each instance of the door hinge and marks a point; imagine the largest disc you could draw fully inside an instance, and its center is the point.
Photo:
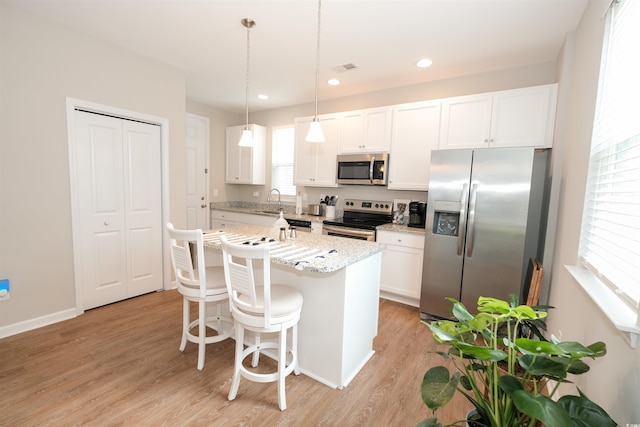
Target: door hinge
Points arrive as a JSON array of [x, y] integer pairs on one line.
[[206, 170]]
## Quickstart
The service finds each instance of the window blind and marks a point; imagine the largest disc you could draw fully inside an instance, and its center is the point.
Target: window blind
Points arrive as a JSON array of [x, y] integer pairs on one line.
[[282, 142], [610, 236]]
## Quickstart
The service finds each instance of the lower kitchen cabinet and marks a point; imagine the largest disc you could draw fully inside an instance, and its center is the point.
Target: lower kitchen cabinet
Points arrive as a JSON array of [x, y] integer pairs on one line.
[[223, 219], [401, 271]]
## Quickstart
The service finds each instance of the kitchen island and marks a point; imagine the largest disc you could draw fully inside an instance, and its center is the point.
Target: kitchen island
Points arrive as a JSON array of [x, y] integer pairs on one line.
[[339, 280]]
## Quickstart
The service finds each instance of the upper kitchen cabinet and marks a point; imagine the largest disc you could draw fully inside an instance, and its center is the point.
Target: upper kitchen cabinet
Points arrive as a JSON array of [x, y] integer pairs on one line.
[[246, 165], [415, 132], [511, 118], [365, 131], [315, 162]]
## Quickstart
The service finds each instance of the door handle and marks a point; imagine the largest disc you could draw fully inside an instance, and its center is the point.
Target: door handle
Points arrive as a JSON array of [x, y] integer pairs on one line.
[[463, 217], [472, 219], [373, 159], [203, 206]]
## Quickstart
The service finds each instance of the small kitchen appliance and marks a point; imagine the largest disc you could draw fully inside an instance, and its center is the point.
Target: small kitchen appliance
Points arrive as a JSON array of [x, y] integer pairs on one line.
[[417, 214]]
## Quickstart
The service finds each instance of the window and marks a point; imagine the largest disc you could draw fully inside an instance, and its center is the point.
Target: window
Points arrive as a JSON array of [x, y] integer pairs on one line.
[[282, 140], [610, 234]]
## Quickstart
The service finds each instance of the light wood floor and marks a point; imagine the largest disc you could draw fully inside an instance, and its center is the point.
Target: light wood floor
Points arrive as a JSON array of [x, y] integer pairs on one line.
[[120, 365]]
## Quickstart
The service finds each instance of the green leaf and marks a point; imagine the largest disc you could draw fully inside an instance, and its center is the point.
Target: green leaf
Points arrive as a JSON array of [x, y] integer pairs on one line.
[[493, 305], [585, 413], [471, 351], [460, 312], [543, 365], [576, 350], [438, 387], [599, 349], [429, 422], [538, 347], [541, 408]]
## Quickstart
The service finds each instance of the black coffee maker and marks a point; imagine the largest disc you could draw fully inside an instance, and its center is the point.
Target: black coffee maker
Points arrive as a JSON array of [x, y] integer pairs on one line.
[[417, 214]]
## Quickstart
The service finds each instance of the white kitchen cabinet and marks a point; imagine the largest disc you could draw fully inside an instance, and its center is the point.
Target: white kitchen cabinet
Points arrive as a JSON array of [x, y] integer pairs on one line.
[[401, 271], [512, 118], [261, 220], [415, 132], [223, 219], [315, 162], [316, 227], [245, 165], [365, 131]]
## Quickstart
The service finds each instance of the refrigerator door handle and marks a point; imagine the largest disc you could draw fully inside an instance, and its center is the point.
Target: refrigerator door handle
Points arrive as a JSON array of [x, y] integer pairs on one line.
[[472, 218], [463, 217]]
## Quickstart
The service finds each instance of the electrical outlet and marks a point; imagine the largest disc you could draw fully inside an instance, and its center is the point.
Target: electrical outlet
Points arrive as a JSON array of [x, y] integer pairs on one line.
[[256, 194], [215, 192], [5, 287]]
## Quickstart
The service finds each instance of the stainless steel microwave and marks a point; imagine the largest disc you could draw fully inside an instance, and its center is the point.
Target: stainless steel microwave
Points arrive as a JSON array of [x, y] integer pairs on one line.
[[363, 169]]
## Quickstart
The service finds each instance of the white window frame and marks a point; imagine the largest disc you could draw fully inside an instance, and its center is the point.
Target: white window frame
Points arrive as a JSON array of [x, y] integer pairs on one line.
[[274, 130], [606, 269]]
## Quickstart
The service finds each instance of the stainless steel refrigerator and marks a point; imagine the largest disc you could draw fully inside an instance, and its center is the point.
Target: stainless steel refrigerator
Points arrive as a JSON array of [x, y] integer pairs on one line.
[[486, 218]]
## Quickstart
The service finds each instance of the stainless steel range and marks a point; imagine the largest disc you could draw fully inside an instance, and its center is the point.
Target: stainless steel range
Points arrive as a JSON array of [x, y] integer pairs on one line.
[[360, 219]]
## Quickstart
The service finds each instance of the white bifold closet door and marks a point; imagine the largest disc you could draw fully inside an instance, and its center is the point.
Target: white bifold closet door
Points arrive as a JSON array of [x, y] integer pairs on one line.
[[118, 176]]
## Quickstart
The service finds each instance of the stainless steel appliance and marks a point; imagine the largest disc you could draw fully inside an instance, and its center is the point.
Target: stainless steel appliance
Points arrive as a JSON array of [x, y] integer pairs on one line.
[[363, 169], [360, 219], [486, 217], [417, 214], [300, 224]]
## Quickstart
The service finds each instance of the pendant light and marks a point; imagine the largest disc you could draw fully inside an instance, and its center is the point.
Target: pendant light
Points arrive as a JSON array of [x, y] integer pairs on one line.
[[315, 130], [247, 137]]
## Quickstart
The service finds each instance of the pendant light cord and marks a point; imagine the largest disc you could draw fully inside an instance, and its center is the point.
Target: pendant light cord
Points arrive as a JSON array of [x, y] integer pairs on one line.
[[318, 58], [249, 25]]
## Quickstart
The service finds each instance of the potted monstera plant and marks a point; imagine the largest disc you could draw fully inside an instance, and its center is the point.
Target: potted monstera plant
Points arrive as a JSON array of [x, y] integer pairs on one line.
[[510, 379]]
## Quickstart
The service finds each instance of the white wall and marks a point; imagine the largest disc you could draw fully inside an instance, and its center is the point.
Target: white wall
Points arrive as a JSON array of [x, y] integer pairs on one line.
[[614, 381], [42, 64]]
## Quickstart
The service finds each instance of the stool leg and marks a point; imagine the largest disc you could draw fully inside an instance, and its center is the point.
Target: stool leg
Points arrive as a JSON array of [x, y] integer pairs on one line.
[[185, 323], [202, 333], [282, 363], [256, 354], [235, 382], [294, 348]]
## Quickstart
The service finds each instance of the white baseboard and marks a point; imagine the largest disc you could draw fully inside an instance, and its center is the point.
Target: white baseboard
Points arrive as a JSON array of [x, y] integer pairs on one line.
[[399, 298], [38, 322]]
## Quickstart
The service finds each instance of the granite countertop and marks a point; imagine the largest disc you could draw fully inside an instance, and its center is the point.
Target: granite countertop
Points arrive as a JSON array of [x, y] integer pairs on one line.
[[309, 252], [260, 208], [400, 229]]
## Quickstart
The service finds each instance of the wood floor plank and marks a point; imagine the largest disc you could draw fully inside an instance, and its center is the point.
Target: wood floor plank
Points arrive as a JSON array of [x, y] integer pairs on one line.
[[119, 365]]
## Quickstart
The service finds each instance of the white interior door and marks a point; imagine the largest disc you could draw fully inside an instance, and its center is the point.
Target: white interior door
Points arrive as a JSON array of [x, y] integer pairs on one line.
[[118, 179], [197, 172]]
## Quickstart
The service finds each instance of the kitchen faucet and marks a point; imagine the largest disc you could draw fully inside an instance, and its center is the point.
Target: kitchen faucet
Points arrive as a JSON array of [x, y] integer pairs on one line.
[[269, 198]]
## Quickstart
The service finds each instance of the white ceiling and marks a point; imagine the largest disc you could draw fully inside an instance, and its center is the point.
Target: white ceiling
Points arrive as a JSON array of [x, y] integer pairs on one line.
[[383, 38]]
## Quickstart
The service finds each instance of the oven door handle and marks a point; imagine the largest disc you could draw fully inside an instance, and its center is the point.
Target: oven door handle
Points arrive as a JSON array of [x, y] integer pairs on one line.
[[371, 163], [344, 231]]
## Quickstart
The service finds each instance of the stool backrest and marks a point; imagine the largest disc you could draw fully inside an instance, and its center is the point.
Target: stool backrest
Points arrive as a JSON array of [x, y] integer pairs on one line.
[[190, 281], [249, 303]]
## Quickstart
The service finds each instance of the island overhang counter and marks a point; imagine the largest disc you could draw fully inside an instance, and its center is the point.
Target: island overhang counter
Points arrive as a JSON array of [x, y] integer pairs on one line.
[[339, 280]]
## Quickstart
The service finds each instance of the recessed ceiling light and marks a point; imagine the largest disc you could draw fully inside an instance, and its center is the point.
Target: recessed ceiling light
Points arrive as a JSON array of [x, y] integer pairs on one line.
[[263, 97], [424, 63], [333, 82]]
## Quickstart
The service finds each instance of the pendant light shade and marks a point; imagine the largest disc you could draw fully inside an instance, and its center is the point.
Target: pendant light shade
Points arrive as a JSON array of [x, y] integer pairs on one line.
[[315, 130], [247, 136], [246, 140]]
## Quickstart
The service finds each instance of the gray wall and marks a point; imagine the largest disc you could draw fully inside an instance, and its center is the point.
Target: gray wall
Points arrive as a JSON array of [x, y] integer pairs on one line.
[[42, 64]]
